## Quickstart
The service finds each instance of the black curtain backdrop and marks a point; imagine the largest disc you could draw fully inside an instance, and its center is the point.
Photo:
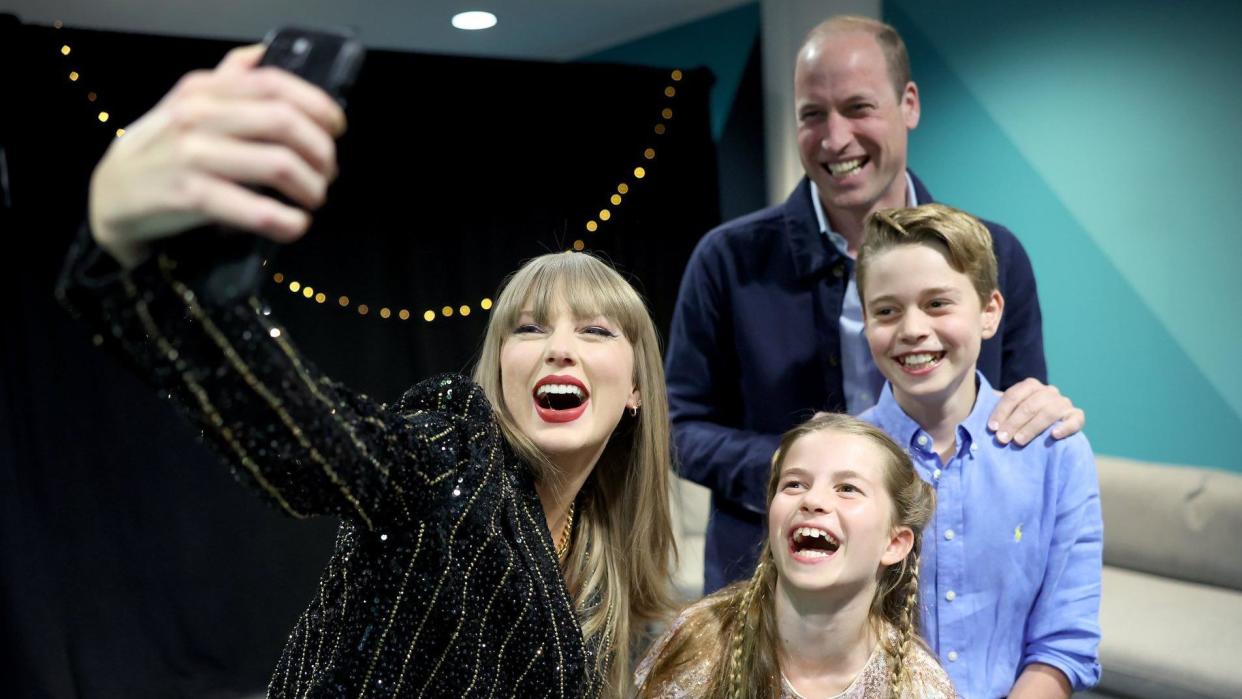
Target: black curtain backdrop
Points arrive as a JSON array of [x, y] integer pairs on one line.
[[133, 564]]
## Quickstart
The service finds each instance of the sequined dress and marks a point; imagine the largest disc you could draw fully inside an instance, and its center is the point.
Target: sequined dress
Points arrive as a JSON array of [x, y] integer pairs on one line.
[[444, 581], [926, 679]]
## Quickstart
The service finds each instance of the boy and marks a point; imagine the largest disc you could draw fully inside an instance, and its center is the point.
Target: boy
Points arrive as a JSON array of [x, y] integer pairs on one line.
[[1010, 576]]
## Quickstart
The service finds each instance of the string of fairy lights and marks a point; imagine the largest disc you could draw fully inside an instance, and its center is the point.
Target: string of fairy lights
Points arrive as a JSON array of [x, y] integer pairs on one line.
[[606, 215]]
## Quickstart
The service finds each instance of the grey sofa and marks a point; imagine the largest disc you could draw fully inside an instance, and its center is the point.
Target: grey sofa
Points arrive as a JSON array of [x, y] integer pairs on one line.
[[1171, 611]]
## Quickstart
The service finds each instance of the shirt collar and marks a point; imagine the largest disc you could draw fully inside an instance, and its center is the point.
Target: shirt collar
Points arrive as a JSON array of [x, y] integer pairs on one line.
[[825, 227], [905, 431]]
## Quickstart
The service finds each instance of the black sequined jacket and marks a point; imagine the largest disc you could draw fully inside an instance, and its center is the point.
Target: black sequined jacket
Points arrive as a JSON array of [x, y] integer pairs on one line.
[[444, 581]]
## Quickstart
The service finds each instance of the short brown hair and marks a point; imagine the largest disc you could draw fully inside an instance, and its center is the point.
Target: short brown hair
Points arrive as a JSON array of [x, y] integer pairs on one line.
[[895, 55], [964, 240]]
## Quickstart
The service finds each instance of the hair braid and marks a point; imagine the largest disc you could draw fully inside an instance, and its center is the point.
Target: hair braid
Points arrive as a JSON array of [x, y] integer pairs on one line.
[[907, 622], [741, 638]]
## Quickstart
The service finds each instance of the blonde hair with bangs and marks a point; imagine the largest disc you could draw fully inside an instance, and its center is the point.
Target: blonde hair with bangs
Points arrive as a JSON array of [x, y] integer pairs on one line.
[[619, 565], [744, 613]]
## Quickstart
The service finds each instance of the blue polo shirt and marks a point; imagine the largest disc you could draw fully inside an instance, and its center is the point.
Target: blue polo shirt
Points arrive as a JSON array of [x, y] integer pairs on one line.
[[1010, 570]]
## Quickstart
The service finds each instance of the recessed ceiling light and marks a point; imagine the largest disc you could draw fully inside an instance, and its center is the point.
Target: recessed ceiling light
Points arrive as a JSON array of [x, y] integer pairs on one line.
[[474, 20]]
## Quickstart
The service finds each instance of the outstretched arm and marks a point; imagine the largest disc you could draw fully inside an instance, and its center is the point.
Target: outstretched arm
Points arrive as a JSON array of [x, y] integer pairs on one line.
[[308, 444], [189, 160]]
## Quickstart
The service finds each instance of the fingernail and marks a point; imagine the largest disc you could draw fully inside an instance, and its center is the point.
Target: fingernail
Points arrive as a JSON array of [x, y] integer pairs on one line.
[[1019, 438], [1002, 437], [994, 425]]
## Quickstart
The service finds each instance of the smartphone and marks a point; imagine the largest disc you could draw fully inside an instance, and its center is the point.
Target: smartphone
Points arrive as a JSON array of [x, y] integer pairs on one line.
[[329, 59]]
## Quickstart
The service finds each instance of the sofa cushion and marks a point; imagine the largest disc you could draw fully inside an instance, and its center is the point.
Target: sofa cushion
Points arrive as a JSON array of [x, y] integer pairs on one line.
[[1169, 638], [1175, 521], [690, 505]]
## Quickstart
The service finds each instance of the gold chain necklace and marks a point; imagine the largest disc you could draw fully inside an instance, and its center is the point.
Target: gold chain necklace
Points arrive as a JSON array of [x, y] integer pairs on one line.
[[563, 546]]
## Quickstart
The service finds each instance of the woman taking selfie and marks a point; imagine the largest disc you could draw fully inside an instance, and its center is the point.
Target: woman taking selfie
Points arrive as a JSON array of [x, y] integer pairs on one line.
[[506, 535]]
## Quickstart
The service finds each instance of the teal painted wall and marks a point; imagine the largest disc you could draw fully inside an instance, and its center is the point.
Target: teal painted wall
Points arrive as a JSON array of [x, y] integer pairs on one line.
[[720, 42], [1105, 134]]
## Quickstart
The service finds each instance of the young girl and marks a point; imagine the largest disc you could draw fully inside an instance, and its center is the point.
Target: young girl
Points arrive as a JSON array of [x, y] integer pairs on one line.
[[502, 536], [831, 610]]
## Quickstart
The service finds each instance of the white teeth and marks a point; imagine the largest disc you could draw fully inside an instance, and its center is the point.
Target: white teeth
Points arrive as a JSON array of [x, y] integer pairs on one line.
[[918, 360], [807, 532], [846, 167], [560, 388], [814, 553]]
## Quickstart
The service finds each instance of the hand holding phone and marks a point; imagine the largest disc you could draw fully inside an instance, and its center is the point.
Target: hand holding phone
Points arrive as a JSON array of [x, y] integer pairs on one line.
[[178, 177], [329, 60]]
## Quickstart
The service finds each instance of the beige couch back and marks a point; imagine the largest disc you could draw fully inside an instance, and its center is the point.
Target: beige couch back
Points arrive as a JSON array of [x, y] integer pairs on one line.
[[1183, 523]]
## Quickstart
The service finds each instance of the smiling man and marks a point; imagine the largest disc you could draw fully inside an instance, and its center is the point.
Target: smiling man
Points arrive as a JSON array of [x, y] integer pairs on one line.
[[768, 326]]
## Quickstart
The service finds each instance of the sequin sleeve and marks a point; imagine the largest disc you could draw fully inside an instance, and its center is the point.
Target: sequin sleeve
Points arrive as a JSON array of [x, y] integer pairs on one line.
[[309, 445]]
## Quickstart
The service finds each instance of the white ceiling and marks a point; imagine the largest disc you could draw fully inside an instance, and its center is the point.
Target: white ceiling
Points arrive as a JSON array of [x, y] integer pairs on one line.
[[535, 29]]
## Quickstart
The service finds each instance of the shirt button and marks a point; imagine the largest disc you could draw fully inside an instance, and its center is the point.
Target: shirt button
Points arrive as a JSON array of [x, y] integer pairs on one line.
[[936, 474], [950, 595], [922, 440], [974, 448], [952, 656], [865, 397], [948, 534]]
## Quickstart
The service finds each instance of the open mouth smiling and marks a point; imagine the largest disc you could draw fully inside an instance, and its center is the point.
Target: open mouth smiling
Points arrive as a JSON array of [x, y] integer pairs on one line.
[[811, 544], [560, 398], [919, 362], [844, 168]]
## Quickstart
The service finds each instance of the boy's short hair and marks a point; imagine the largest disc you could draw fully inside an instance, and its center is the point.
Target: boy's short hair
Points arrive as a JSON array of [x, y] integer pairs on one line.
[[963, 239]]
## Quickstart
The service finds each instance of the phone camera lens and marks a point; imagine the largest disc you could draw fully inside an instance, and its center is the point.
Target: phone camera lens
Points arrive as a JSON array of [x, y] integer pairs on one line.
[[301, 46]]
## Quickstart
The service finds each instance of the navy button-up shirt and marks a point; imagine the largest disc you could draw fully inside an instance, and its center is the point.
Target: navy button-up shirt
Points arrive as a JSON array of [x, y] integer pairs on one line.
[[1010, 570]]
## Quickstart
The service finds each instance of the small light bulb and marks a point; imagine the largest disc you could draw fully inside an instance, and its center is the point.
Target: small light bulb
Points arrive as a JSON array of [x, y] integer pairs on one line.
[[474, 20]]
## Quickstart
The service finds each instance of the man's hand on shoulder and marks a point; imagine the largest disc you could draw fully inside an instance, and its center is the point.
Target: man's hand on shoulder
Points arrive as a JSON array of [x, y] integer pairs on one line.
[[1028, 408]]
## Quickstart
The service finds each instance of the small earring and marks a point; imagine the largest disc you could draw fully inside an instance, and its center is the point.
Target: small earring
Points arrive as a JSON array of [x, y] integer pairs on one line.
[[634, 411]]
